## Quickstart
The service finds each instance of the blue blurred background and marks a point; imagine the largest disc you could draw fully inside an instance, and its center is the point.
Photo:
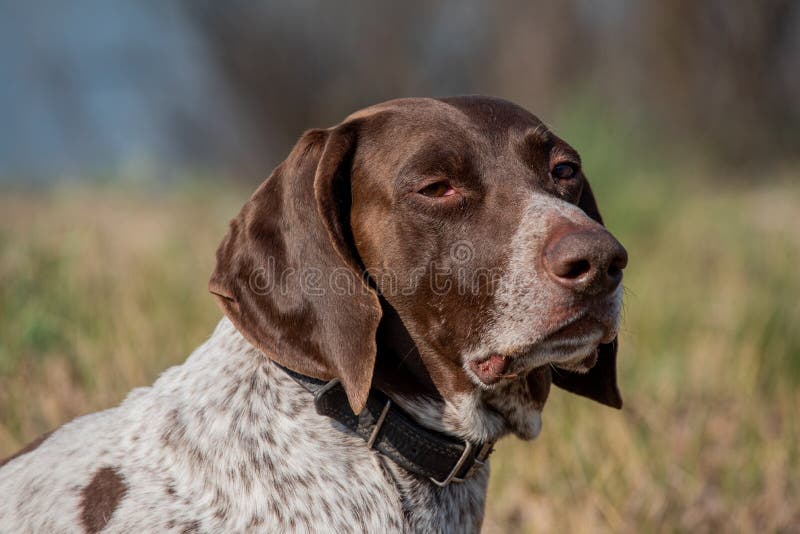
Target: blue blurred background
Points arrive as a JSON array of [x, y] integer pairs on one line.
[[97, 89]]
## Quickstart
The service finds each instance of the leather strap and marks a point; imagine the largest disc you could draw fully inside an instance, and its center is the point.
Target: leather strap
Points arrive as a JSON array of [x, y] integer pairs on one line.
[[394, 433]]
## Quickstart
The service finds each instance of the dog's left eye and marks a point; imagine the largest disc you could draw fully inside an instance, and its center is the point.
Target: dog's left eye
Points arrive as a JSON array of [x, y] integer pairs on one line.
[[438, 189], [564, 171]]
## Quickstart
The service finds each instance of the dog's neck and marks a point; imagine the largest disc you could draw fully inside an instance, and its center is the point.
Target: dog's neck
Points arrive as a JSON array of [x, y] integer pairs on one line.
[[401, 374], [480, 416], [260, 411]]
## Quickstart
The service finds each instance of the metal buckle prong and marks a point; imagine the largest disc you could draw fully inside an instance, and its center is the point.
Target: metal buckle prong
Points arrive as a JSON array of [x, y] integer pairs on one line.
[[327, 387], [379, 424], [483, 454], [456, 468], [480, 461], [321, 392]]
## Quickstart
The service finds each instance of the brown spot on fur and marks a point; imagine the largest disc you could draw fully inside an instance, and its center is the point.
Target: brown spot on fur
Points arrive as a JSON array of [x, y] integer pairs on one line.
[[100, 498], [26, 449]]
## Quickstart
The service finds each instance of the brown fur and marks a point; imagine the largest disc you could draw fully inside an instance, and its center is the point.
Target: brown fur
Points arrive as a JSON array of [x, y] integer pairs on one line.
[[100, 498]]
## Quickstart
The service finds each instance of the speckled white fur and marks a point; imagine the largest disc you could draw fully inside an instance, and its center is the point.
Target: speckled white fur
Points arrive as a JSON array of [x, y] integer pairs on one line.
[[227, 442]]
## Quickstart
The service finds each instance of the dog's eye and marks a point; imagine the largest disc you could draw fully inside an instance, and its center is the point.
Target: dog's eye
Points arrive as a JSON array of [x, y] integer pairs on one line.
[[438, 189], [564, 171]]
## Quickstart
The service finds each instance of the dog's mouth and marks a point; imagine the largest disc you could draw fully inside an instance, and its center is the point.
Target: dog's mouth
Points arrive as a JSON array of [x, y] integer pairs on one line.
[[571, 347], [496, 367]]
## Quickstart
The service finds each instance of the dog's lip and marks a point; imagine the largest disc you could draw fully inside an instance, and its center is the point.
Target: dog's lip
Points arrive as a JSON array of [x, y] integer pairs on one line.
[[581, 363], [572, 345], [491, 369], [579, 328]]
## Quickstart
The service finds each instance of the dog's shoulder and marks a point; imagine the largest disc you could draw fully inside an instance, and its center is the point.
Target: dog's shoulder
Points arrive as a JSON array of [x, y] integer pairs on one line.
[[82, 471], [225, 441]]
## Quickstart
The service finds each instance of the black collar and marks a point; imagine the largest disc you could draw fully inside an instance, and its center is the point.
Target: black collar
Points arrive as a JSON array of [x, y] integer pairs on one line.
[[394, 433]]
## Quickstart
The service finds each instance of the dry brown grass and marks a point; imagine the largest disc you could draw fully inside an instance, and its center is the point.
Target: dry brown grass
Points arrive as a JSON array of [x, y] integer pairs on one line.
[[102, 289]]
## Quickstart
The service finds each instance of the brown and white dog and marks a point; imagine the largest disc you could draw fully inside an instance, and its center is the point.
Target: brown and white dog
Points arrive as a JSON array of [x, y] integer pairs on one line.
[[447, 252]]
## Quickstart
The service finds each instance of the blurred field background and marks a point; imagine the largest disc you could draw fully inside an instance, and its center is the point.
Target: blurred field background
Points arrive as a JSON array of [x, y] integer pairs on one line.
[[132, 132]]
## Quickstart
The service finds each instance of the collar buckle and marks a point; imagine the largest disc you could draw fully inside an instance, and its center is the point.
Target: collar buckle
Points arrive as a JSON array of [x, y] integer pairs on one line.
[[478, 462], [329, 394], [451, 477]]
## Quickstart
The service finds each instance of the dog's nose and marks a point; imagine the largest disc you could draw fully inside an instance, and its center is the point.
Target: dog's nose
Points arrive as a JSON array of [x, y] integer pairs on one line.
[[588, 260]]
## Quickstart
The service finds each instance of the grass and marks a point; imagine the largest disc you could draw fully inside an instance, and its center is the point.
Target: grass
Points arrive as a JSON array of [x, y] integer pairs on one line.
[[102, 288]]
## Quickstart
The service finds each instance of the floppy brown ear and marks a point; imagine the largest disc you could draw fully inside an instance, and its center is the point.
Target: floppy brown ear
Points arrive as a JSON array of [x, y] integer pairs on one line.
[[600, 382], [588, 204], [287, 275]]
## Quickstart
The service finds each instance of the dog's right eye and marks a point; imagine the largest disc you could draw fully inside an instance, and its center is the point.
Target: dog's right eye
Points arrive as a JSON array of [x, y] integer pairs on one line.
[[564, 171], [439, 189]]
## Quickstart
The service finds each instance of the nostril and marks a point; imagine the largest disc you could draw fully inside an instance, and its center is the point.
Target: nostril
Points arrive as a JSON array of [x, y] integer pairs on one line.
[[618, 263], [588, 260], [620, 260], [615, 267], [575, 269]]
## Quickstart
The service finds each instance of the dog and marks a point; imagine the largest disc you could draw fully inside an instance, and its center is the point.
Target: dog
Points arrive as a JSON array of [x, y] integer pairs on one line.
[[398, 295]]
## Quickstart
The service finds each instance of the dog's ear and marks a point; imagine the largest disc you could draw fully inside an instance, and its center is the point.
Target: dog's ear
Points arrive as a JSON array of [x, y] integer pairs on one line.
[[600, 382], [287, 273]]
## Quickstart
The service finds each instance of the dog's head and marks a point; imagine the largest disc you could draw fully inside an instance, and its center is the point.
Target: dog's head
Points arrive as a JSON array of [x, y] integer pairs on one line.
[[454, 245]]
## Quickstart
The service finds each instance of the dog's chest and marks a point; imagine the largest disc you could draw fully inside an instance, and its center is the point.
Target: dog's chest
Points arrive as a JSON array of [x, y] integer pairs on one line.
[[256, 456]]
